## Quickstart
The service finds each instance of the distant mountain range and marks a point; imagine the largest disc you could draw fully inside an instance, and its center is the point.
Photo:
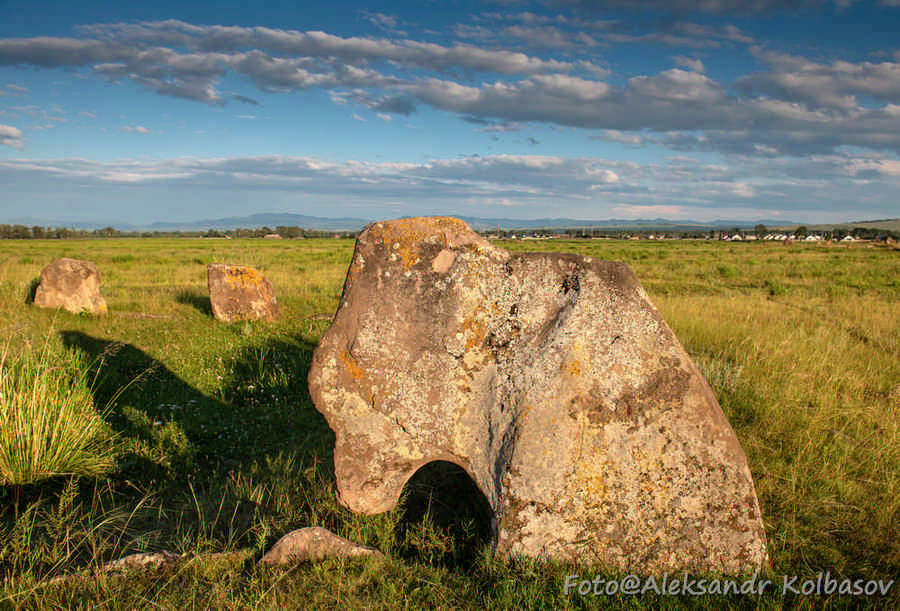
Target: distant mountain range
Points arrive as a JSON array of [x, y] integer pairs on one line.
[[273, 220]]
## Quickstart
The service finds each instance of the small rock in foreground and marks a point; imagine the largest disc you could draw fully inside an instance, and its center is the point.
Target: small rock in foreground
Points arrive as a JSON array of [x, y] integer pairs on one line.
[[312, 544]]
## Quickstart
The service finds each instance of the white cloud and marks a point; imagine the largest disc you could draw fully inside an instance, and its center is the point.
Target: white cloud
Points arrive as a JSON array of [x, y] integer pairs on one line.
[[25, 110], [831, 86], [387, 23], [743, 7], [317, 44], [138, 129], [883, 167], [796, 107], [614, 135], [539, 185], [11, 136], [531, 31], [649, 211], [690, 63]]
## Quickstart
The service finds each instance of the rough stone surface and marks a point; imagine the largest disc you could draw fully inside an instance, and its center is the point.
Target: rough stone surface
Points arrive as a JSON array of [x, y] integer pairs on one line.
[[71, 284], [553, 381], [312, 544], [240, 293], [145, 562]]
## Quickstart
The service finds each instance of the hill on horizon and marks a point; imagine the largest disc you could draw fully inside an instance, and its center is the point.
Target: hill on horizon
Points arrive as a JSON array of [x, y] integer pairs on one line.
[[273, 220]]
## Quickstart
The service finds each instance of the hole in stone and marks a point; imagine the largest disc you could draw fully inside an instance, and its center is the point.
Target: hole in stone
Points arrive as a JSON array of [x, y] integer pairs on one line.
[[446, 518]]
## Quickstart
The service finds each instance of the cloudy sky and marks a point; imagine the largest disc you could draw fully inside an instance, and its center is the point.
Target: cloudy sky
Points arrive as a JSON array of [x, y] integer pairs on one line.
[[590, 109]]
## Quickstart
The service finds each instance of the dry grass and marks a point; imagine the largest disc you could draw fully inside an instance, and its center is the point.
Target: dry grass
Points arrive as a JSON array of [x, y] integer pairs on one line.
[[220, 448]]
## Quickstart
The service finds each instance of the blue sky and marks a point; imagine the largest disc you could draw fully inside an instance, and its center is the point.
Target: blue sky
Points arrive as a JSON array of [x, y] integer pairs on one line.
[[590, 109]]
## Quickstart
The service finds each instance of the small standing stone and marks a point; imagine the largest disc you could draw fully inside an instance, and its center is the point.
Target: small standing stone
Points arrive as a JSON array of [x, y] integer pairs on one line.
[[71, 284], [237, 292]]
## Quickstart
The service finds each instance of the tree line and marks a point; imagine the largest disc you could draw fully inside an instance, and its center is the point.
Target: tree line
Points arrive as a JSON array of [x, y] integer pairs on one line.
[[37, 232]]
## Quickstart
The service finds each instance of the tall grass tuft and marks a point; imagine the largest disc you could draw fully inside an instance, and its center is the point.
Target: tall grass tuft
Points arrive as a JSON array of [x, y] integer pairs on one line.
[[48, 423]]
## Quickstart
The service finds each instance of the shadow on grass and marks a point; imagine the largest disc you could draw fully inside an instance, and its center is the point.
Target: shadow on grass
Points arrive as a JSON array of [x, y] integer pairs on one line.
[[196, 300], [261, 443], [193, 472], [32, 290], [263, 409]]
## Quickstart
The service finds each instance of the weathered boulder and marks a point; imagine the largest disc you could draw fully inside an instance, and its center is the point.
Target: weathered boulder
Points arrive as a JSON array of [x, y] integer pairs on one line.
[[312, 544], [553, 381], [239, 293], [71, 284]]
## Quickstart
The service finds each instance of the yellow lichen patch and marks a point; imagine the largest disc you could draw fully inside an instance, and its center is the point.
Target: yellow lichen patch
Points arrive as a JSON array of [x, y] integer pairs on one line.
[[590, 480], [576, 368], [242, 277], [571, 367], [352, 366], [358, 373], [404, 237], [474, 331]]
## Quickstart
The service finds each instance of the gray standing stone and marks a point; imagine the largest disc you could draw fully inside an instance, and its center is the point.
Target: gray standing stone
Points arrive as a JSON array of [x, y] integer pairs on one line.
[[240, 293], [553, 381], [71, 284]]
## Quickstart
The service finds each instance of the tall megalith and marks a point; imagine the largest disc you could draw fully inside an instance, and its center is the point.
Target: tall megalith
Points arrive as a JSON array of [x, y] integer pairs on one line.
[[553, 381]]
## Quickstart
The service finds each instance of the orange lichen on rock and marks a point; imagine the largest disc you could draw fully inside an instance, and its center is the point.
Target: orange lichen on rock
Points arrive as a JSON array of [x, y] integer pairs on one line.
[[352, 366], [406, 238], [242, 276]]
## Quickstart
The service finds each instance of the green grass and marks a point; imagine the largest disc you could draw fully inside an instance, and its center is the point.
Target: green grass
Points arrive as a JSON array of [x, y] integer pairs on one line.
[[49, 426], [219, 448]]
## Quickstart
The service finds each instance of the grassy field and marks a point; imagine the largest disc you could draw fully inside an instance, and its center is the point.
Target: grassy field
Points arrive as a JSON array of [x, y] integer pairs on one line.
[[219, 448]]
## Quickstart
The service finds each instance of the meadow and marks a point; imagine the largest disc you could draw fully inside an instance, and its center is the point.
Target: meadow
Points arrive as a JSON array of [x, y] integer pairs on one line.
[[217, 449]]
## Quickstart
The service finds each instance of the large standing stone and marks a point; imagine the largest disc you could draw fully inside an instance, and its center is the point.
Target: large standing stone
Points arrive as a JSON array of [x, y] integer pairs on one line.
[[71, 284], [553, 381], [239, 293]]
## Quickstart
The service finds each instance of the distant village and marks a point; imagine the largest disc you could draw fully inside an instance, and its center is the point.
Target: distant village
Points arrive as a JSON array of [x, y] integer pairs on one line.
[[759, 233]]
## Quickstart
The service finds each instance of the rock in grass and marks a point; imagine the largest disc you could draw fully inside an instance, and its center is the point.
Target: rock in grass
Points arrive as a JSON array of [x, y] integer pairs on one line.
[[240, 293], [143, 563], [553, 381], [71, 284], [312, 544]]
